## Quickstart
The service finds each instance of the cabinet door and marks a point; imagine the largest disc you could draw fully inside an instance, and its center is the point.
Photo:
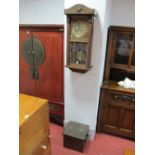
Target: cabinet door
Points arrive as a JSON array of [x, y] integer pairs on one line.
[[122, 44], [50, 82], [120, 53], [116, 114], [26, 84]]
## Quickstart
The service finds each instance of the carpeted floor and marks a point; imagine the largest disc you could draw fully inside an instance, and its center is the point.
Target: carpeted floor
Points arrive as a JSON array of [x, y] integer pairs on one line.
[[103, 144]]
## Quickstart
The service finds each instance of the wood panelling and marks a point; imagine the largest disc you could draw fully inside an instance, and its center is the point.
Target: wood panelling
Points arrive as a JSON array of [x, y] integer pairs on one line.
[[57, 109], [50, 82], [112, 116]]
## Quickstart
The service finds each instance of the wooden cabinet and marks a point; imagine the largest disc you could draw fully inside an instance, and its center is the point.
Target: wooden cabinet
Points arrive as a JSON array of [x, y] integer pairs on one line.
[[116, 113], [33, 126], [50, 84]]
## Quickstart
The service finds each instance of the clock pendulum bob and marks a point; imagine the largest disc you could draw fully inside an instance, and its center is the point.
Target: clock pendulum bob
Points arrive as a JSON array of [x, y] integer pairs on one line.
[[34, 55]]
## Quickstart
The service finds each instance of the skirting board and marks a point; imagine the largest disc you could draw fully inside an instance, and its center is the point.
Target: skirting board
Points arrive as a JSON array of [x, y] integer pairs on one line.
[[91, 133]]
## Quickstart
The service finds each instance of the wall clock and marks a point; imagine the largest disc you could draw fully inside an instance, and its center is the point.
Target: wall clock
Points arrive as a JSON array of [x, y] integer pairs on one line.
[[79, 37]]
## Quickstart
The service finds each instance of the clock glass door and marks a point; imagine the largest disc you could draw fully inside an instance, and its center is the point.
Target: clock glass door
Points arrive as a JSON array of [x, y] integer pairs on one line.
[[78, 53], [78, 42]]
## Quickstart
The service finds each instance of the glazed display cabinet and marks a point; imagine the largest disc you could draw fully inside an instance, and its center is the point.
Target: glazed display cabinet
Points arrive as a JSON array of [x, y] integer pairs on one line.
[[116, 113]]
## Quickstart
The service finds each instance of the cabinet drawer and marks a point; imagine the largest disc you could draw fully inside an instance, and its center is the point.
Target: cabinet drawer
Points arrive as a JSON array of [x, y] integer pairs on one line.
[[57, 119], [122, 100], [116, 113], [56, 109], [43, 148]]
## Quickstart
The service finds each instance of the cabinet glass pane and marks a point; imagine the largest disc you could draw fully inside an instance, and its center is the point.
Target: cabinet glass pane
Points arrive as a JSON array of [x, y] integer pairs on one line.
[[78, 53], [120, 74], [122, 48]]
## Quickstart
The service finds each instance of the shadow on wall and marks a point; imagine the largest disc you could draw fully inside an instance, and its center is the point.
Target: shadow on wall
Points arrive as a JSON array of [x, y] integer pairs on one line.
[[84, 85]]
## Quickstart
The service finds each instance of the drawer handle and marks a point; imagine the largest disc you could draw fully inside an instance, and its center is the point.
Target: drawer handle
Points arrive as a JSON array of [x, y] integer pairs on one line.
[[44, 147], [125, 98]]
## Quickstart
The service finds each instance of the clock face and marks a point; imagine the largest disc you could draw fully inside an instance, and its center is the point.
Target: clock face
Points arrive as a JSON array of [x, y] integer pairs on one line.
[[79, 29]]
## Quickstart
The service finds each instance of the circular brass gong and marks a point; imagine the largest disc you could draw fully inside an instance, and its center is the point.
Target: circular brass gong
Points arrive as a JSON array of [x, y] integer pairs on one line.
[[34, 55], [33, 52]]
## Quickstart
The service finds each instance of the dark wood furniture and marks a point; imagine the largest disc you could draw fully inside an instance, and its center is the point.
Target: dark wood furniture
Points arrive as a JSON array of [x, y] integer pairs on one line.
[[75, 135], [33, 126], [50, 84], [116, 113]]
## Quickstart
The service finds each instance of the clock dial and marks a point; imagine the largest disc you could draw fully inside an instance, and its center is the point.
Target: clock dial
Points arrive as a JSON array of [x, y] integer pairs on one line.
[[79, 29]]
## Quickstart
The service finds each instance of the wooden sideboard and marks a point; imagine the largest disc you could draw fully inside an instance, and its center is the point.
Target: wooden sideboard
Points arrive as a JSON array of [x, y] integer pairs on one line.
[[33, 126]]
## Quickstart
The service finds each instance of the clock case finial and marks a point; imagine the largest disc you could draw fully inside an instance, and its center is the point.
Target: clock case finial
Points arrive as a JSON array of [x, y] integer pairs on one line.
[[79, 9]]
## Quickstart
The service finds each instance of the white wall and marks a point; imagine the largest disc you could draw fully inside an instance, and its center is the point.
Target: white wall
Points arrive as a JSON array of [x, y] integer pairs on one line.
[[41, 11], [123, 12], [82, 90]]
